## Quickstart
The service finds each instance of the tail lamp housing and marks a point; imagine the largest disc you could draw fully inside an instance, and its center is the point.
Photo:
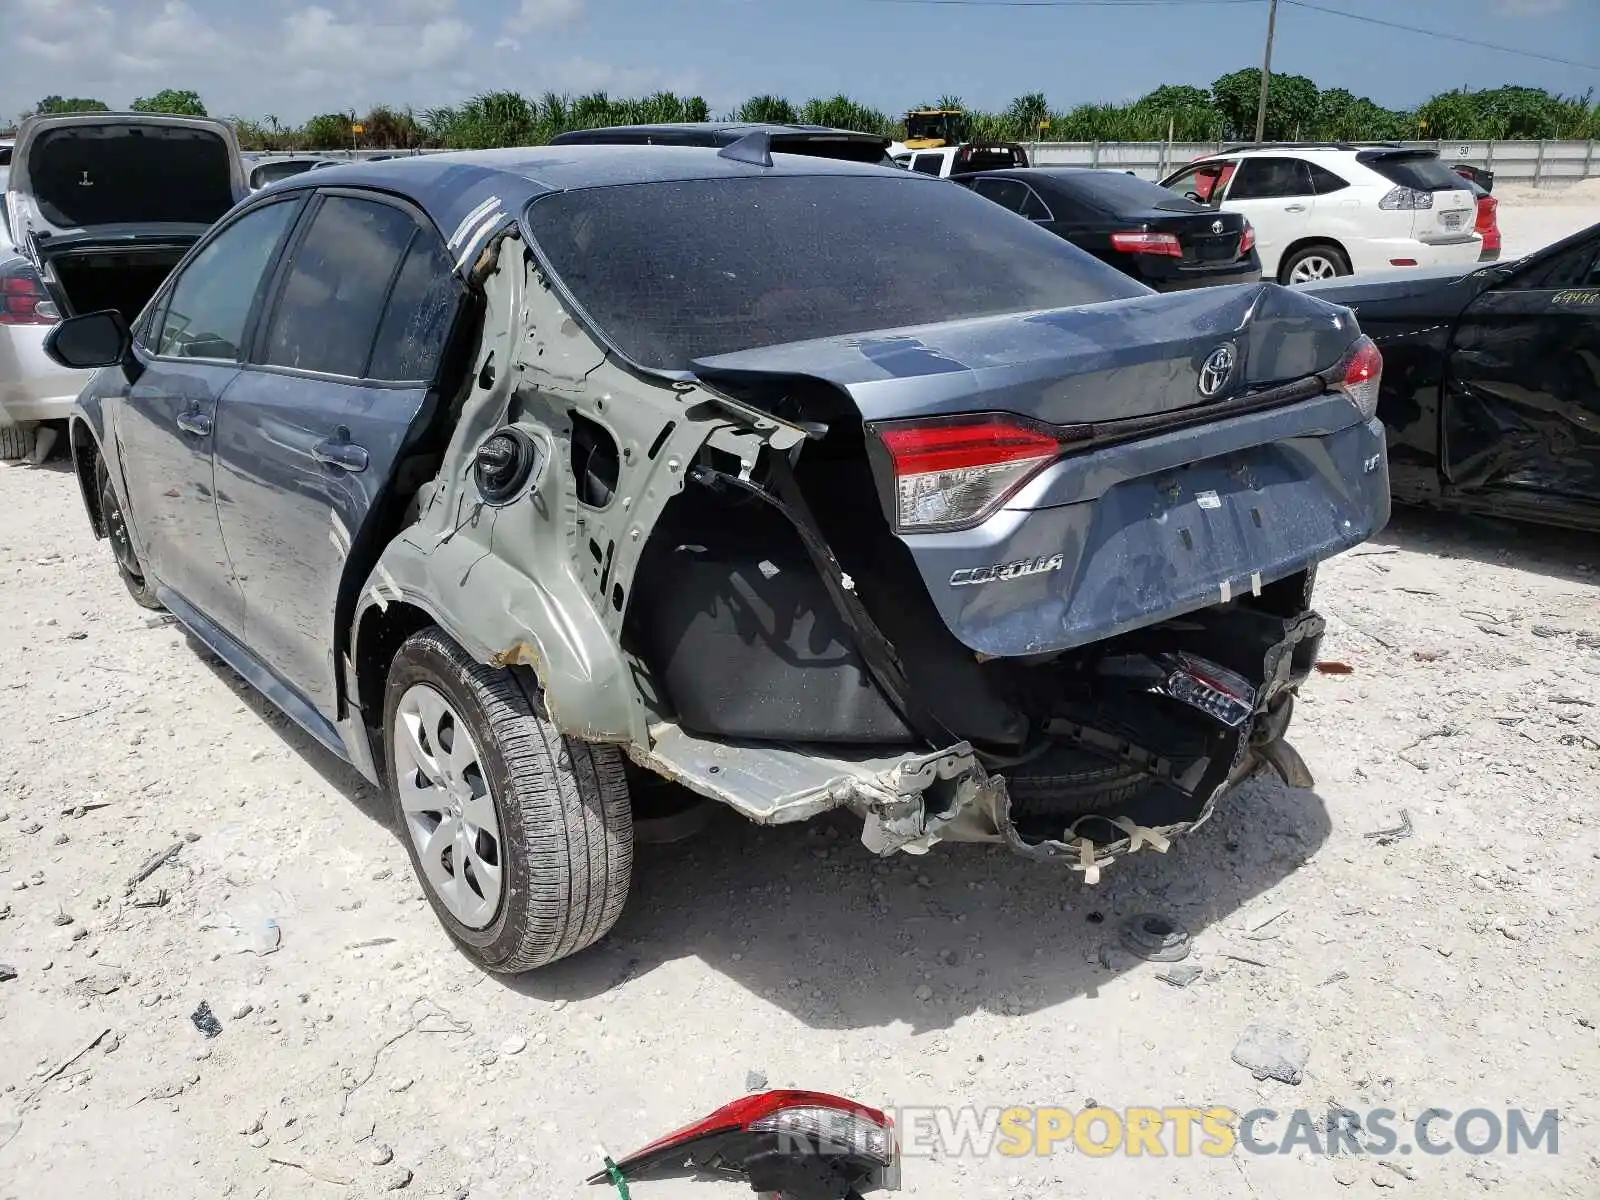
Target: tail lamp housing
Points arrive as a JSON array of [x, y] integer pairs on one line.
[[773, 1136], [1360, 377], [1143, 241], [1247, 239], [23, 299], [954, 472]]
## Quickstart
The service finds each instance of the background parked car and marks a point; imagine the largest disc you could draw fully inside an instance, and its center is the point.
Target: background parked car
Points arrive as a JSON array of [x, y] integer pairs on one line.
[[265, 171], [34, 389], [105, 204], [1325, 210], [1491, 382], [816, 140], [948, 161], [1164, 241]]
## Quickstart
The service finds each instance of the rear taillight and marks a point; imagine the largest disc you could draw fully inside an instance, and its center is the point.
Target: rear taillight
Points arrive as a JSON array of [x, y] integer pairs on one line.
[[1363, 377], [23, 300], [1141, 242], [831, 1130], [954, 472], [1404, 199], [1247, 240], [1488, 210]]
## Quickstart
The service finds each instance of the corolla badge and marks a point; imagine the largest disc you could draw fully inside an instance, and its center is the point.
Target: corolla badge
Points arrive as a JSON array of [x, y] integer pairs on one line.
[[1004, 572], [1216, 371]]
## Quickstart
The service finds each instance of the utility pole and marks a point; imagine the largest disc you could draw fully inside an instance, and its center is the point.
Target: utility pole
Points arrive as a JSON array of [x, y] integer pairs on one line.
[[1266, 72]]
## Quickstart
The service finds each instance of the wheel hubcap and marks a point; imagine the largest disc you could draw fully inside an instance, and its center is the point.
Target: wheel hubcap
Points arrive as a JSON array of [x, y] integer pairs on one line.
[[1308, 269], [449, 814]]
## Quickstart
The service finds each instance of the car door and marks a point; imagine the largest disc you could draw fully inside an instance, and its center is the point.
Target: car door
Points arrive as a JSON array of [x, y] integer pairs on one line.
[[189, 349], [1522, 386], [311, 429], [1277, 196]]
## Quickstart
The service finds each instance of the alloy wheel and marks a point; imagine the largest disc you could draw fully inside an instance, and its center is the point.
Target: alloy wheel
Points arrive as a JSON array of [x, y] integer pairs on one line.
[[1312, 268], [449, 812]]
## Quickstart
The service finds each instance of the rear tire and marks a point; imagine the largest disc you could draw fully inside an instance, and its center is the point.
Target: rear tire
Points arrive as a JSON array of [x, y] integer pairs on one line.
[[122, 549], [560, 853], [16, 440], [1321, 260]]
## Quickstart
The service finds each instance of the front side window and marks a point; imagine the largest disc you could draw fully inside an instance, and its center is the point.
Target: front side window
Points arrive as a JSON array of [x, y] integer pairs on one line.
[[1206, 183], [327, 313], [672, 272], [208, 306]]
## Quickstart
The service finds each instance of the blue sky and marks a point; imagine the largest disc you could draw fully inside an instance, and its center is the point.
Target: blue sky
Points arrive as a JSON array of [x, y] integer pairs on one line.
[[292, 58]]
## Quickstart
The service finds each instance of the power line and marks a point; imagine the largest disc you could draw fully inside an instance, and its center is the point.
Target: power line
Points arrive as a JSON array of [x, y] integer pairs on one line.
[[1305, 4], [1449, 37]]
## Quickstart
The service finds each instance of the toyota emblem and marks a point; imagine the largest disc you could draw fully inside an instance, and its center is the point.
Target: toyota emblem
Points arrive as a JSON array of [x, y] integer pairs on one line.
[[1216, 227], [1216, 371]]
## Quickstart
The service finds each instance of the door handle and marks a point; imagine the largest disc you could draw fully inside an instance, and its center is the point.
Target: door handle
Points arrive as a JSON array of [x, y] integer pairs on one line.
[[1295, 208], [347, 456], [195, 422]]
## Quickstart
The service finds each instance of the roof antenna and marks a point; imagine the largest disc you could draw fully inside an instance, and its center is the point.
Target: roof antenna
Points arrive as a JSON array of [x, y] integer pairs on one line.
[[753, 148]]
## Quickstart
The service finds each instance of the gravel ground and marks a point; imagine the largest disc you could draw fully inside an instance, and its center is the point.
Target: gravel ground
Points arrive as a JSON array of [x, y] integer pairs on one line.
[[1458, 966]]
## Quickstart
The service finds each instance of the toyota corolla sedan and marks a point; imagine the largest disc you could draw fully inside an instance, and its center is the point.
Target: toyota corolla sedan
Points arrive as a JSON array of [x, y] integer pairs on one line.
[[521, 478]]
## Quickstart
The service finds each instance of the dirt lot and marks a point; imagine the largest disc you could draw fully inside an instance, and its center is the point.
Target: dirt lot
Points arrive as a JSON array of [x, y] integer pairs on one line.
[[1457, 966]]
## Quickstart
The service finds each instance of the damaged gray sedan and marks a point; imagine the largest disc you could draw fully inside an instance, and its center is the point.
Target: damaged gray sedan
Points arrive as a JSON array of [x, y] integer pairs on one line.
[[523, 479]]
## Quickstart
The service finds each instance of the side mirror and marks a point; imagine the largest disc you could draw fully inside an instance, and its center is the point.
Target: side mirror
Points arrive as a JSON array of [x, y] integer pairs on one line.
[[97, 339]]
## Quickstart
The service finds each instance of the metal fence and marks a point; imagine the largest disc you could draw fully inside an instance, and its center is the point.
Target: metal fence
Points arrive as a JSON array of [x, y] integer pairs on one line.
[[1541, 164]]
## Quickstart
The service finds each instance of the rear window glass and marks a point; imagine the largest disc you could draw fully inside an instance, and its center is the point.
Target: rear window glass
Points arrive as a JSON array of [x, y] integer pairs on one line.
[[928, 164], [103, 175], [1423, 172], [1113, 192], [672, 272], [1325, 181], [988, 158]]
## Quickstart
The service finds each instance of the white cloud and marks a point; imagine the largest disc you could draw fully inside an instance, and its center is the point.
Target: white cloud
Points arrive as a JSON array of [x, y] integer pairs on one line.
[[1529, 8], [543, 14], [295, 58]]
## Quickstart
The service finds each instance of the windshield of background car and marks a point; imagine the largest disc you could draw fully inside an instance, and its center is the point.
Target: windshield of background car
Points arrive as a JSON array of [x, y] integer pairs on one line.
[[672, 272], [1113, 192]]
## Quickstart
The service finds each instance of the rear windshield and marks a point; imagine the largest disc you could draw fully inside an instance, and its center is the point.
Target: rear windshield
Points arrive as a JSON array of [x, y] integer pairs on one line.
[[1116, 193], [1422, 172], [105, 175], [272, 172], [987, 158], [672, 272]]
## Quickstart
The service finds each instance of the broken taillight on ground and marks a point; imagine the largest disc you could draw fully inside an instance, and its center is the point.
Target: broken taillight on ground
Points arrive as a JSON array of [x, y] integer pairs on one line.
[[801, 1145]]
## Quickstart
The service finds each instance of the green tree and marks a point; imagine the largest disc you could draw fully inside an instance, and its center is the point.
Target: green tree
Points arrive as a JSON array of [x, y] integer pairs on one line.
[[1291, 104], [328, 131], [841, 112], [53, 105], [171, 100], [1025, 114], [767, 109]]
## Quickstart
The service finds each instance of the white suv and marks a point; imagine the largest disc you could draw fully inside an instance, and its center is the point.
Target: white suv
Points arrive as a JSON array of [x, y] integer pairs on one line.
[[1327, 210]]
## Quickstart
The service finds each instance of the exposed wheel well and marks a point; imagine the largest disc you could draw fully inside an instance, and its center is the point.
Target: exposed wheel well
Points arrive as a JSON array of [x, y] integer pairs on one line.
[[85, 450], [1306, 243], [381, 634]]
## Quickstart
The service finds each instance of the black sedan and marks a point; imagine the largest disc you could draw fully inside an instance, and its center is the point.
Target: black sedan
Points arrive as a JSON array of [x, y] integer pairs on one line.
[[1163, 240], [1491, 381]]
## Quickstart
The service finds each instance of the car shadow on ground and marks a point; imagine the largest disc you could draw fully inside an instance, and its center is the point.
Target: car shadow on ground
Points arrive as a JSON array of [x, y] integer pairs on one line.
[[1565, 554], [805, 918]]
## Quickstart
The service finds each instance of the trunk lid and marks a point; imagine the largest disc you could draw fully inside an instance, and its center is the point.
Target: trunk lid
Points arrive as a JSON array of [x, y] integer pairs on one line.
[[98, 182], [1112, 361], [1206, 239], [1168, 484]]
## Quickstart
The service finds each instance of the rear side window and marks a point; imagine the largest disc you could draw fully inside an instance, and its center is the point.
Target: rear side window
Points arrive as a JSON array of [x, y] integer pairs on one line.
[[209, 303], [328, 310], [928, 164], [1325, 181], [1576, 267], [1270, 178], [1014, 195], [1422, 172], [419, 314]]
